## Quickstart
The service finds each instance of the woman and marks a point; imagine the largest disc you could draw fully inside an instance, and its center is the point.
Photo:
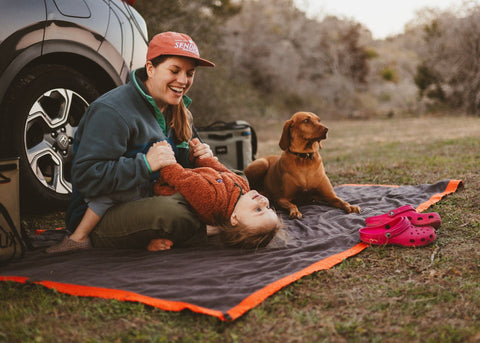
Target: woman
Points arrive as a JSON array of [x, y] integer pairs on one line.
[[113, 154], [221, 199]]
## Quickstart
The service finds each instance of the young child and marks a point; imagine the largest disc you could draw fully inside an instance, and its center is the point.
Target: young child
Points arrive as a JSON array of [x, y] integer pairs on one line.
[[221, 198]]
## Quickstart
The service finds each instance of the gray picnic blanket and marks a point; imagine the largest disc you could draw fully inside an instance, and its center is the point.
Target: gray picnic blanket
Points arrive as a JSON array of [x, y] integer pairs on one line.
[[224, 283]]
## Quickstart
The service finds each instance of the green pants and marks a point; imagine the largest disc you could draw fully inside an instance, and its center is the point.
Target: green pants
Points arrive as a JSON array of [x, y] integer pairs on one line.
[[134, 224]]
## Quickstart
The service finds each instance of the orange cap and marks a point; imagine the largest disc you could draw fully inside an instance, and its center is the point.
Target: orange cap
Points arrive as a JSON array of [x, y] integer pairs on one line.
[[176, 44]]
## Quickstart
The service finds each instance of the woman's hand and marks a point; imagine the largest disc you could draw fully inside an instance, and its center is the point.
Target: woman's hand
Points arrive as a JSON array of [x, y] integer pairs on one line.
[[160, 155], [200, 150]]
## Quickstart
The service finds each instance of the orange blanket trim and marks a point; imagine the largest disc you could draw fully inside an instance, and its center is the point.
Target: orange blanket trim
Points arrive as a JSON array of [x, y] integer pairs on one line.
[[110, 293], [256, 298], [249, 302], [452, 187]]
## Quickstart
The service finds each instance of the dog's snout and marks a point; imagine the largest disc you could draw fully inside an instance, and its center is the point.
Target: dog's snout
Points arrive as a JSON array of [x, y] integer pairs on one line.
[[324, 133]]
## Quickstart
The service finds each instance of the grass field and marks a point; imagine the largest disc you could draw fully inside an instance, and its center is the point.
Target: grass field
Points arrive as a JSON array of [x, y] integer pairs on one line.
[[384, 294]]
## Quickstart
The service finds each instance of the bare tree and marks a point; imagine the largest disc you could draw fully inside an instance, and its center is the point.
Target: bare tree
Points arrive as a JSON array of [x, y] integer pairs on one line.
[[294, 60], [450, 69]]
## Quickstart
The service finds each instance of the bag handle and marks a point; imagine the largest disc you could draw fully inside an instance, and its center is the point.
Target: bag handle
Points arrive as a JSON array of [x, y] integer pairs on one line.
[[14, 236], [6, 167]]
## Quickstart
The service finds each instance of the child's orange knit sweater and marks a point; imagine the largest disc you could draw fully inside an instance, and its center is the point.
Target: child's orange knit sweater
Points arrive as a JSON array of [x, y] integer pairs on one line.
[[211, 188]]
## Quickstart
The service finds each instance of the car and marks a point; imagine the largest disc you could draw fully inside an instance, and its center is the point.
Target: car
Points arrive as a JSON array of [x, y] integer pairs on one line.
[[56, 57]]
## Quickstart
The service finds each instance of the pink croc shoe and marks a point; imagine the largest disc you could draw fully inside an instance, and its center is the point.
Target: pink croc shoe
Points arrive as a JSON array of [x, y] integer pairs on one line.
[[417, 219], [399, 231]]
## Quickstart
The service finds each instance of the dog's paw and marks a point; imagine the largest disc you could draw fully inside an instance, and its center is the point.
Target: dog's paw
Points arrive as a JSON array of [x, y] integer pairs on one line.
[[295, 214], [353, 209]]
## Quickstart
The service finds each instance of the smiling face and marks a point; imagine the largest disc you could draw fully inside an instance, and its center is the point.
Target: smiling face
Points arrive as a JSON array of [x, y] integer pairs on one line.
[[253, 212], [170, 80]]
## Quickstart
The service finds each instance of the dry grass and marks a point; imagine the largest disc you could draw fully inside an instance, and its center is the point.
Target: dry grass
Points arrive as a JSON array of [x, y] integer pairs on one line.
[[384, 294], [347, 136]]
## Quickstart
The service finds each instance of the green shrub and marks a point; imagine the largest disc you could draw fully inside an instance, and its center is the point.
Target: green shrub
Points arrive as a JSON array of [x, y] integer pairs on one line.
[[389, 74]]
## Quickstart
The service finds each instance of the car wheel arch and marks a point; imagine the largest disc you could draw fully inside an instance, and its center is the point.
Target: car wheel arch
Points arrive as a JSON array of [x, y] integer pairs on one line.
[[94, 74], [82, 58]]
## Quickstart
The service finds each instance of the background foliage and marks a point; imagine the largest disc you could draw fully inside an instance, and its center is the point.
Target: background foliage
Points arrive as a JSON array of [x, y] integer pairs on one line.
[[272, 60]]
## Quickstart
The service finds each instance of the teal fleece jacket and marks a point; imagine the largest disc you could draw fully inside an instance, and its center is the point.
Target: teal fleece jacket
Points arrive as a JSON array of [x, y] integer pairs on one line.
[[112, 138], [111, 141]]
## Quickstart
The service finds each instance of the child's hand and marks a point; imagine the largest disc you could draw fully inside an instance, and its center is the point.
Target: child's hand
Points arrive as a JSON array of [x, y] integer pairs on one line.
[[200, 150], [160, 155]]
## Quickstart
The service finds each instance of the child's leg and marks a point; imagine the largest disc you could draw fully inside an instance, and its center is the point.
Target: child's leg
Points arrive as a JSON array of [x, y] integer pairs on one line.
[[88, 222]]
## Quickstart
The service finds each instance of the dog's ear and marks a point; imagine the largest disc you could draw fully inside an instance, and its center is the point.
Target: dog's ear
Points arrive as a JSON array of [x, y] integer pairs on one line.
[[285, 138]]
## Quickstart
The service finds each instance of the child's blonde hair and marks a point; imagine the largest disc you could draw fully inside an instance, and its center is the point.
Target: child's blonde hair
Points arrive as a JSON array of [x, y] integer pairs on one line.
[[248, 238]]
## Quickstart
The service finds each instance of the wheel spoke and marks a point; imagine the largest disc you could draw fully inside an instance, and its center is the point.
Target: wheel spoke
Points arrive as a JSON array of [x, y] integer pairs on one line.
[[65, 109], [37, 113], [58, 181], [47, 165], [53, 108]]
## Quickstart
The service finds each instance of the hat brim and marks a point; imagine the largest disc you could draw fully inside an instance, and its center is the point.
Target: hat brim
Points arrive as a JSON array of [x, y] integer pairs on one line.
[[200, 61], [203, 63]]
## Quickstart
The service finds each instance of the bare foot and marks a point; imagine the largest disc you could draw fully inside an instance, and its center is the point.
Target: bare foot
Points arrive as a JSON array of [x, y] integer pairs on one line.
[[159, 244]]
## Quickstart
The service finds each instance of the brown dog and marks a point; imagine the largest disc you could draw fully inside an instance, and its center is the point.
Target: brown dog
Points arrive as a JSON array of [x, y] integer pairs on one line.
[[298, 173]]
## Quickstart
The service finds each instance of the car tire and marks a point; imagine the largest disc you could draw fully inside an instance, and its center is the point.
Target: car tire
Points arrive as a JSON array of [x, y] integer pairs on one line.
[[47, 102]]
